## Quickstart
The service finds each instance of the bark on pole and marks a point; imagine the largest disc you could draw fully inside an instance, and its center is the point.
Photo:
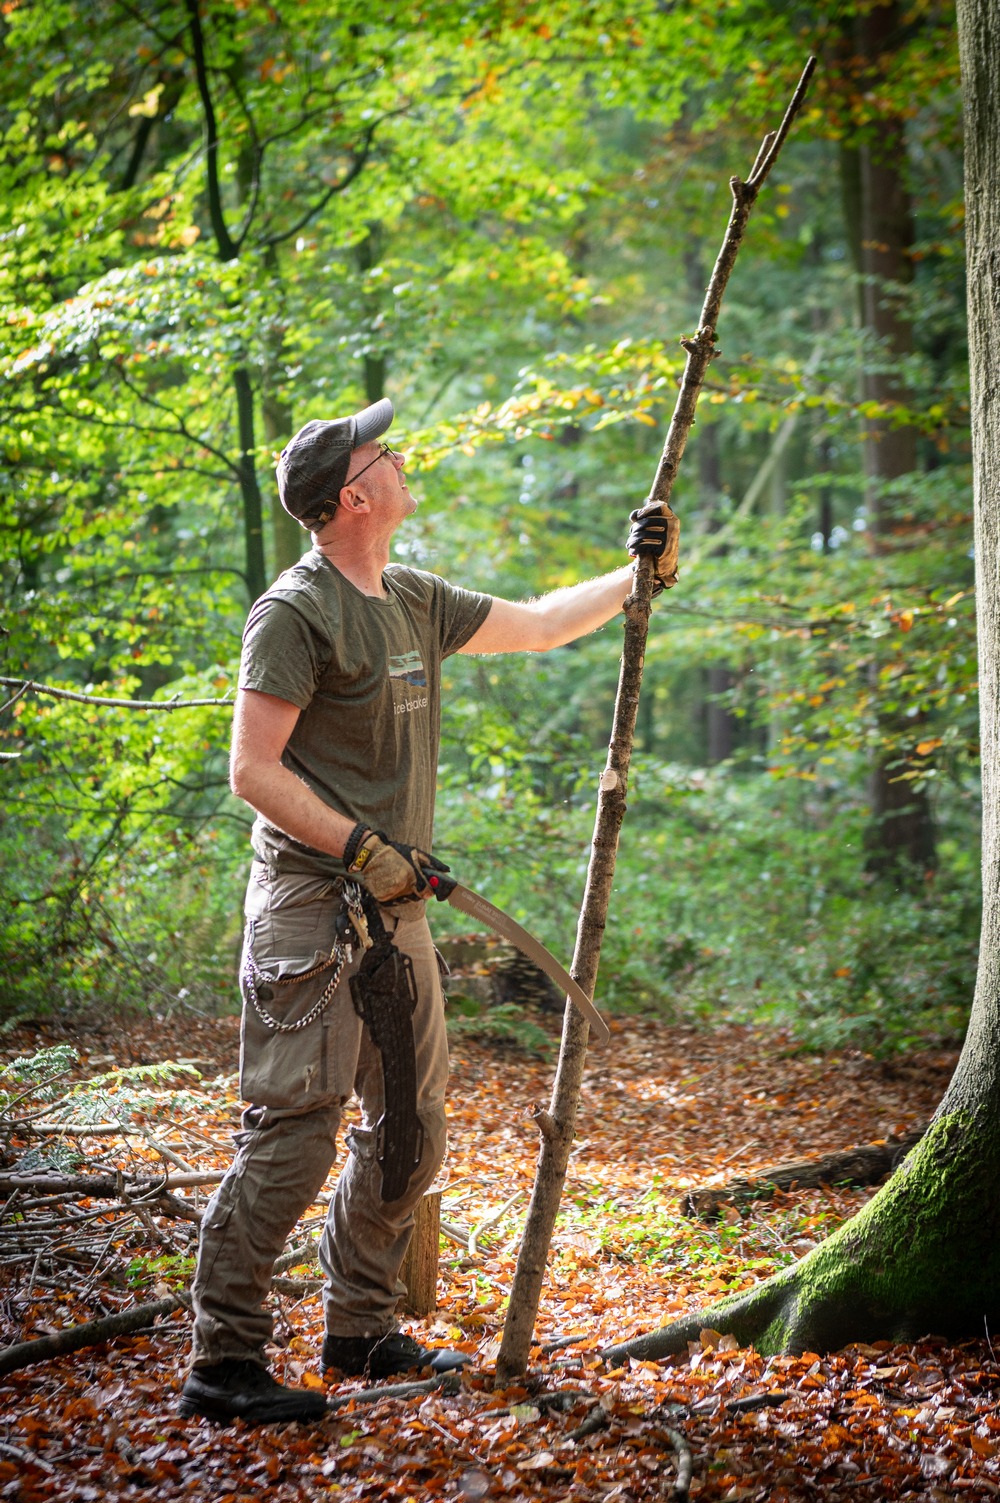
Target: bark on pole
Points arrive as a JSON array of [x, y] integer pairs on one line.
[[557, 1125]]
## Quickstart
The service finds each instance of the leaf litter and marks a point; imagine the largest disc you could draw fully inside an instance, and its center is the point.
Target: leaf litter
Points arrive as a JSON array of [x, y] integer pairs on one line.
[[664, 1108]]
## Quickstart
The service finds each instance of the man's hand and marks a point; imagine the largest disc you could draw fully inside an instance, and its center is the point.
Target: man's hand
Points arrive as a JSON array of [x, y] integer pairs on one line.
[[391, 872], [656, 533]]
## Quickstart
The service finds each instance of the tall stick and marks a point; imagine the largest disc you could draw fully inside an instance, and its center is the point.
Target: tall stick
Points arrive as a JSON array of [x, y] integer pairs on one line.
[[557, 1125]]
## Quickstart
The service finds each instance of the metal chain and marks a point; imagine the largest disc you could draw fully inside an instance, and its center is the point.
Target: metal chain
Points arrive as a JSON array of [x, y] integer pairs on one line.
[[338, 958]]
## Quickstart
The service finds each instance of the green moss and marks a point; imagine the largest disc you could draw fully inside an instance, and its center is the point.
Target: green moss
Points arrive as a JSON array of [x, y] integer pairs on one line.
[[922, 1257]]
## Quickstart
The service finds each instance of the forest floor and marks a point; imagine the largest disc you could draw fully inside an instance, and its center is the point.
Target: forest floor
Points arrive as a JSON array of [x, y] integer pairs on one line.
[[664, 1108]]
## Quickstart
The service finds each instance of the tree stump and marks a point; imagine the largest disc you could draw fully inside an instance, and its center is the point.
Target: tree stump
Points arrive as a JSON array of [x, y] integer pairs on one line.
[[420, 1266]]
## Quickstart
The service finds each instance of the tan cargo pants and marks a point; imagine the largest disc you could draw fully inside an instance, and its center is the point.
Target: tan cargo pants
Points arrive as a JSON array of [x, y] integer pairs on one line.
[[298, 1083]]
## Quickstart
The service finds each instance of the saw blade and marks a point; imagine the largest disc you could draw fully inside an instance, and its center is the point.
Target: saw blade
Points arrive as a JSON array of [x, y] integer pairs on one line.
[[501, 923]]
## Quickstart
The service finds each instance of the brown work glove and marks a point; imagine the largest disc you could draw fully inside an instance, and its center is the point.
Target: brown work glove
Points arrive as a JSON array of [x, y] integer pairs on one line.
[[656, 533], [391, 872]]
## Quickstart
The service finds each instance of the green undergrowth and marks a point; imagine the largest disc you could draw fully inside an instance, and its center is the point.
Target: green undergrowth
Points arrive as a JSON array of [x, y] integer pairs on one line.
[[710, 1258], [736, 898], [505, 1024]]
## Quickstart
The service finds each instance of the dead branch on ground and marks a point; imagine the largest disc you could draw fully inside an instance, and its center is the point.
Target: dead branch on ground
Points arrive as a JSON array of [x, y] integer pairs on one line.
[[865, 1165]]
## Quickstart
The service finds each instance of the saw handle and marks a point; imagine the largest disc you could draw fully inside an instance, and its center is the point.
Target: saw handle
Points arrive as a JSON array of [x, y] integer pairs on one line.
[[441, 886]]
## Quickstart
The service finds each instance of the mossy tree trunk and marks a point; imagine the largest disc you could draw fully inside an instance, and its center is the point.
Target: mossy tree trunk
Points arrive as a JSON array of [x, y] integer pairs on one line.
[[924, 1255]]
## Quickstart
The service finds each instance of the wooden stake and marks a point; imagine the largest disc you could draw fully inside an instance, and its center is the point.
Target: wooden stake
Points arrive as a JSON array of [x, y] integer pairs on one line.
[[558, 1138], [420, 1266]]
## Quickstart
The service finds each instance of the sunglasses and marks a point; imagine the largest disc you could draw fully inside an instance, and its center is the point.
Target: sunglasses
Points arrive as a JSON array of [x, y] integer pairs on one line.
[[383, 452]]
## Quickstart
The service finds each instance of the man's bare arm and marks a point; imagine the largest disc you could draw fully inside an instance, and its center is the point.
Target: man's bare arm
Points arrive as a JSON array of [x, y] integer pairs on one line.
[[553, 619], [262, 725]]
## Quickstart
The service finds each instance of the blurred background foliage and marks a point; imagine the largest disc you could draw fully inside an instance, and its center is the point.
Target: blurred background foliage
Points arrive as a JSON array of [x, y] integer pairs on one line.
[[218, 220]]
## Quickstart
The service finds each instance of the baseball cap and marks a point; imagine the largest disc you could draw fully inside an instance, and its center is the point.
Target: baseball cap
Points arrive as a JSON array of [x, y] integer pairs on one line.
[[313, 465]]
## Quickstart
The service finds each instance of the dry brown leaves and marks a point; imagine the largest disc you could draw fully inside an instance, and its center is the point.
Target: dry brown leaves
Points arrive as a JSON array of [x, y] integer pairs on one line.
[[663, 1108]]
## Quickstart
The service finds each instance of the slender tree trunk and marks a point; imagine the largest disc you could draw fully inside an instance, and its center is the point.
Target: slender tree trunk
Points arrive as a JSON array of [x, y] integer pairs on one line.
[[899, 841], [228, 250], [720, 722], [923, 1256], [253, 511], [368, 252], [288, 538]]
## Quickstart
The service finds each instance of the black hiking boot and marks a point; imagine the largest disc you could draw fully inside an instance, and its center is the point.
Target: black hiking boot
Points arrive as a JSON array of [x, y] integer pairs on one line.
[[241, 1389], [385, 1356]]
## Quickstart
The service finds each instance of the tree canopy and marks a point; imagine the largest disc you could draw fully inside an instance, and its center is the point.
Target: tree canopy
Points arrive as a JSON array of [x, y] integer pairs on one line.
[[220, 221]]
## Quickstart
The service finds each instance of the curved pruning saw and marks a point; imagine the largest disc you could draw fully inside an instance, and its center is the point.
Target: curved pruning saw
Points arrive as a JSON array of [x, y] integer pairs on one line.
[[463, 898]]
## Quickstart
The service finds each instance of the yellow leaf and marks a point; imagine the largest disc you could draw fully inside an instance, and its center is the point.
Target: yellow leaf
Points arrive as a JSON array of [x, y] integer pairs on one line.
[[148, 104], [924, 748]]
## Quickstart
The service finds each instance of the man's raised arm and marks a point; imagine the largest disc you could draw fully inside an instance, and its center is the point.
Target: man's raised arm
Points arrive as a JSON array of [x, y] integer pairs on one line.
[[553, 619], [563, 615]]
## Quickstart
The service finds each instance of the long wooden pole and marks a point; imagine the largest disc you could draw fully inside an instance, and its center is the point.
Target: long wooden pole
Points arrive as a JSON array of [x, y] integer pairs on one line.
[[557, 1125]]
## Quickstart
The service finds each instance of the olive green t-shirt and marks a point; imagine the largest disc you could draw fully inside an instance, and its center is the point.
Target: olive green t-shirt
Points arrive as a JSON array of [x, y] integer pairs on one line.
[[366, 674]]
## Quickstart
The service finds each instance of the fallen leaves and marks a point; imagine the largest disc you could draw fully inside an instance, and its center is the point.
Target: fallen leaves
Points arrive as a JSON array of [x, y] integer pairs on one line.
[[669, 1108]]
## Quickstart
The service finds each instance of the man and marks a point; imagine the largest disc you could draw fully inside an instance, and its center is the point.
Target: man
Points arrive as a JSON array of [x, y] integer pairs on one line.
[[335, 744]]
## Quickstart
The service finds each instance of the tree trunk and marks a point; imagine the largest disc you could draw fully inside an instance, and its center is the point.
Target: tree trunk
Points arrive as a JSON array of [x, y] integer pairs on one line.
[[720, 722], [368, 252], [253, 510], [924, 1255], [899, 842], [228, 249]]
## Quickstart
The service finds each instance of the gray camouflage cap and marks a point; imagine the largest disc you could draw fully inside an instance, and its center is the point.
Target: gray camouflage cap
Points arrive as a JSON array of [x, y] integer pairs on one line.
[[314, 464]]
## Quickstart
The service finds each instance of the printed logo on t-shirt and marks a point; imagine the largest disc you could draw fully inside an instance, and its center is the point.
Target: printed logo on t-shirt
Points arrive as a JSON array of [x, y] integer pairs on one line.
[[408, 676]]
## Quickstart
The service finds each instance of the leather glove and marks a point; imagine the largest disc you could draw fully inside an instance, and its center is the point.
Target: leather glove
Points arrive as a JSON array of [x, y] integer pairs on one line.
[[391, 872], [656, 533]]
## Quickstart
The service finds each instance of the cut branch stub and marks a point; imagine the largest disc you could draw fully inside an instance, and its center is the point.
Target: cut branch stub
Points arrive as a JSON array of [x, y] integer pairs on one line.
[[555, 1147]]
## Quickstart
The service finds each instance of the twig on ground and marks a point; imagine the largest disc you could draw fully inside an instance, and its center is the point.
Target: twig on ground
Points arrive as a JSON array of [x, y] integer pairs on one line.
[[105, 1186], [488, 1221], [752, 1401], [454, 1233], [296, 1288], [446, 1382], [560, 1343], [685, 1463], [305, 1254], [597, 1419]]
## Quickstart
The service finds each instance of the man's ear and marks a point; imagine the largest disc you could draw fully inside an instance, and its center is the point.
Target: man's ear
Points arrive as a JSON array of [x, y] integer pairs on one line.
[[352, 500]]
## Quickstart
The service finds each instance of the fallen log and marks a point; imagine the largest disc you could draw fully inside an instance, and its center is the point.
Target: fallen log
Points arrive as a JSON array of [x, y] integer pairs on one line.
[[105, 1186], [865, 1165], [92, 1332], [88, 1333]]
